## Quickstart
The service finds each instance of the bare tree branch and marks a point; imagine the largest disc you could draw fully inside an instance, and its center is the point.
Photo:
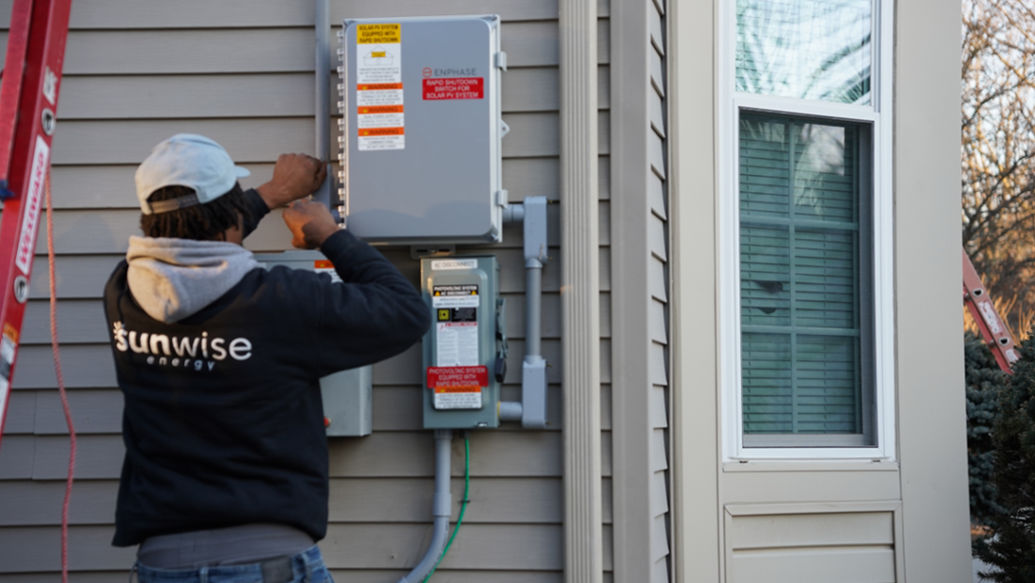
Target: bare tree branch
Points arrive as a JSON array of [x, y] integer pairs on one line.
[[997, 154]]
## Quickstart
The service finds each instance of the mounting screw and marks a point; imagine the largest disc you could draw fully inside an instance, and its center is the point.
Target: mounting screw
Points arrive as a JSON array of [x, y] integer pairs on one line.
[[21, 289], [49, 121]]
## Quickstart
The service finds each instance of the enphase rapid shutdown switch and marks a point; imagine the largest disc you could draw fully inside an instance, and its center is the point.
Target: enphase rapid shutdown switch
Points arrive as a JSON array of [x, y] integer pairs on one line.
[[421, 130], [464, 351]]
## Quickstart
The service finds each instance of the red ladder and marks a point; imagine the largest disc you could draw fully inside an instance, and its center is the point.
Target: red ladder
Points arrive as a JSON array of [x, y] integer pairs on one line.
[[993, 328], [28, 105]]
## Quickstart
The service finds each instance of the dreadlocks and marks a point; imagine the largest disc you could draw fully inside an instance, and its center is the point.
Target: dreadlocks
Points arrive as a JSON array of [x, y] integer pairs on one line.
[[201, 222]]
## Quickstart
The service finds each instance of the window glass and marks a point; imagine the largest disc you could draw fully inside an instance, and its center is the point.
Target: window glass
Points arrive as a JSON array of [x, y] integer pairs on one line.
[[807, 49], [805, 324]]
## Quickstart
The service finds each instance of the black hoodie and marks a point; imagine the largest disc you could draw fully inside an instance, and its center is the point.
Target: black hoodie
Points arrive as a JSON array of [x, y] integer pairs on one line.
[[223, 419]]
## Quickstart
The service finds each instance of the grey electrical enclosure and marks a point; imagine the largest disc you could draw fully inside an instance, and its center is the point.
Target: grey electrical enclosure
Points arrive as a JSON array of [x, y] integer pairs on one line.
[[347, 402], [347, 395], [421, 129], [464, 349]]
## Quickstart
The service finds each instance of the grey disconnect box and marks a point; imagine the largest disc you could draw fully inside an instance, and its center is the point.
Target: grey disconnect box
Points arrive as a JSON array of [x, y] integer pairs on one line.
[[421, 129], [347, 394], [461, 390]]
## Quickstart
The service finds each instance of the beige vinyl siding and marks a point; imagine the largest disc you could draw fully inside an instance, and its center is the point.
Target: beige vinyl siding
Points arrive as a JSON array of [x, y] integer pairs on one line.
[[658, 413], [242, 73], [639, 239], [853, 545], [607, 357]]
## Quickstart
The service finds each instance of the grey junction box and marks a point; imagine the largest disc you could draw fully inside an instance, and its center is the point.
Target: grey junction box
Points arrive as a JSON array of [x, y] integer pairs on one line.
[[421, 129], [347, 394]]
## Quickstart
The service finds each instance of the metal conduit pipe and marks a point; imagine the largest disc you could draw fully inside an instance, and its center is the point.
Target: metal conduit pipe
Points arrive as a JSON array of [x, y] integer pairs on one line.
[[531, 411], [441, 509], [533, 306], [533, 369], [511, 410], [322, 117]]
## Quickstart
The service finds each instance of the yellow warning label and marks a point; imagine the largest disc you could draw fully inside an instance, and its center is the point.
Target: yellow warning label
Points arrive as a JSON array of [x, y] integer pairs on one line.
[[386, 32]]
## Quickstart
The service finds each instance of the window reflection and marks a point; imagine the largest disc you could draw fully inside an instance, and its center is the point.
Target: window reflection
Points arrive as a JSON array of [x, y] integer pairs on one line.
[[807, 49]]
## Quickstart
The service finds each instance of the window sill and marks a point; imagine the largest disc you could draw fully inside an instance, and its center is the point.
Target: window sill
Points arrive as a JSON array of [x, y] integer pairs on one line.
[[830, 465]]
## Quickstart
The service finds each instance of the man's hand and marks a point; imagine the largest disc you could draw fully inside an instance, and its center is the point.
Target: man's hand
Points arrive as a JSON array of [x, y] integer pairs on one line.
[[294, 176], [310, 223]]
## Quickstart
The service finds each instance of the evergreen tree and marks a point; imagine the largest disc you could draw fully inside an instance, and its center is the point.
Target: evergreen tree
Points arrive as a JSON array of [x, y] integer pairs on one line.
[[984, 380], [1011, 548]]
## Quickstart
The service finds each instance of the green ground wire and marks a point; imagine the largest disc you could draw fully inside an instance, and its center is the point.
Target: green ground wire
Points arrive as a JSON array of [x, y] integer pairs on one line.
[[463, 505]]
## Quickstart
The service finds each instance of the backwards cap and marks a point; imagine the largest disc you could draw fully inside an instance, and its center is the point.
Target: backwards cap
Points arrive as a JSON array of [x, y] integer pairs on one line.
[[190, 160]]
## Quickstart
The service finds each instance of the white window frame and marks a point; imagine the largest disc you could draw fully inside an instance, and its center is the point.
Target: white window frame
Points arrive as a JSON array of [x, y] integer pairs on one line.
[[878, 113]]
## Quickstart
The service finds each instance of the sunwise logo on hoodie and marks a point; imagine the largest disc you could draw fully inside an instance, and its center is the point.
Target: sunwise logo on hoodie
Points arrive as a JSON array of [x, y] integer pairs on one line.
[[196, 352]]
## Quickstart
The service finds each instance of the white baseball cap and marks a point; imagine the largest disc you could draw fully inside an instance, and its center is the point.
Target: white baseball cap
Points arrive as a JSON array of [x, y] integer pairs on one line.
[[186, 160]]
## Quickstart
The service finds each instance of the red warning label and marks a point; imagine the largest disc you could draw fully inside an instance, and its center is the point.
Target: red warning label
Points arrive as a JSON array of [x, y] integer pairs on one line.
[[441, 88], [457, 379], [457, 387]]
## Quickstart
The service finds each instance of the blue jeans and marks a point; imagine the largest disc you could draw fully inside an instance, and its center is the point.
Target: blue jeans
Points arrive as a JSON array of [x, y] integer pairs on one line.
[[305, 567]]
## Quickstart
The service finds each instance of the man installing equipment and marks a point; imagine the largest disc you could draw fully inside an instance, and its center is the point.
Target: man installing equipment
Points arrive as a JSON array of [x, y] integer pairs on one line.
[[225, 477]]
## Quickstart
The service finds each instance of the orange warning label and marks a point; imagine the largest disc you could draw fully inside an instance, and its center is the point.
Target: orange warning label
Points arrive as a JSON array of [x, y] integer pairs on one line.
[[378, 86], [322, 264], [11, 332], [459, 389], [364, 132], [380, 109]]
